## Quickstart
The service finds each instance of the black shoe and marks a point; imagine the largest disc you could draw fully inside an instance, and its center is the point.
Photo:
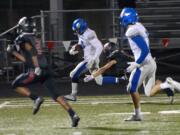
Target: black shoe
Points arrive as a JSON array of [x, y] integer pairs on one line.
[[37, 104], [170, 94], [75, 121]]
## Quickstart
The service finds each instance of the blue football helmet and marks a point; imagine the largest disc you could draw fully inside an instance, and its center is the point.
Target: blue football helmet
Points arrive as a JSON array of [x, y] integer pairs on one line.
[[128, 16], [79, 25]]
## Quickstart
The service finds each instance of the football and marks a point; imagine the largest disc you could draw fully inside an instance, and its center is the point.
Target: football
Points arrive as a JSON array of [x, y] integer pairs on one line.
[[77, 47]]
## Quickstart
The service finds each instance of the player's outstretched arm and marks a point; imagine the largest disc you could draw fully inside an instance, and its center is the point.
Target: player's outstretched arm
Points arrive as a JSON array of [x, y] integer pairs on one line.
[[104, 68], [19, 56], [11, 49], [100, 71]]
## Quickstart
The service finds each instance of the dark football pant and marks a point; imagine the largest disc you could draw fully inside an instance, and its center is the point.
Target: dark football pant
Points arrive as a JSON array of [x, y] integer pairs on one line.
[[26, 79]]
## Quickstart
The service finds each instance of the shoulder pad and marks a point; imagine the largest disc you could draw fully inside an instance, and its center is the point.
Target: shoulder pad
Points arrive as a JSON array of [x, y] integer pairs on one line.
[[131, 31], [113, 54], [19, 40], [91, 35]]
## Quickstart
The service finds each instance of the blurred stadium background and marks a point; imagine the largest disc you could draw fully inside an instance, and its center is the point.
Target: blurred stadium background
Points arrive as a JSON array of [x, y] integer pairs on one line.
[[54, 19]]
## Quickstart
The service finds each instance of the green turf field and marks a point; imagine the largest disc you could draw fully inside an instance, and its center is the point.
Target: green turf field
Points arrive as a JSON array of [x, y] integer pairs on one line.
[[99, 116]]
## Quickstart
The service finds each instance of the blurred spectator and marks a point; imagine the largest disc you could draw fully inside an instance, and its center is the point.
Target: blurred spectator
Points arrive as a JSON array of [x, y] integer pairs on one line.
[[127, 3]]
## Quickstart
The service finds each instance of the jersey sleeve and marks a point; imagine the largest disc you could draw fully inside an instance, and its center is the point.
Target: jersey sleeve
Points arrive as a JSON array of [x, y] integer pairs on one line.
[[136, 37], [96, 43]]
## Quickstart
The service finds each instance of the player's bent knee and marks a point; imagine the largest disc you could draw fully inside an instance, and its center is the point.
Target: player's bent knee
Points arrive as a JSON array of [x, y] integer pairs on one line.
[[74, 77], [148, 93], [99, 80], [71, 74], [18, 82], [15, 84]]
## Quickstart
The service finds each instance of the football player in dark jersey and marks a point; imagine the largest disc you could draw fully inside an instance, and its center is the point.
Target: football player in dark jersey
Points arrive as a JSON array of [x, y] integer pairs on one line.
[[37, 71], [117, 62]]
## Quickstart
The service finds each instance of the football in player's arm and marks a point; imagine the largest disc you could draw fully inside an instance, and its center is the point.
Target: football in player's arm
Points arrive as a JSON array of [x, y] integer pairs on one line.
[[92, 49]]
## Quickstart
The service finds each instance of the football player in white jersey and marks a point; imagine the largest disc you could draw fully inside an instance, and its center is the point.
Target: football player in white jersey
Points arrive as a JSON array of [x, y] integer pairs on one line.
[[92, 49], [143, 69]]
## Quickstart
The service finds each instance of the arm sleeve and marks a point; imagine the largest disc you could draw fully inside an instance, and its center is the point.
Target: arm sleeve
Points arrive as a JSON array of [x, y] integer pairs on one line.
[[143, 46]]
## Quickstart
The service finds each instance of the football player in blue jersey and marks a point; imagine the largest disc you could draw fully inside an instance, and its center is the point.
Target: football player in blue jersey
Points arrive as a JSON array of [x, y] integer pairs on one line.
[[143, 69]]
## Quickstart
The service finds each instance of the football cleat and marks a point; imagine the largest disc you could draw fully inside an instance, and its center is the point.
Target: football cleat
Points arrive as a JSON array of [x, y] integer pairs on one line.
[[88, 78], [174, 83], [71, 97], [75, 121], [134, 118], [37, 104], [171, 99]]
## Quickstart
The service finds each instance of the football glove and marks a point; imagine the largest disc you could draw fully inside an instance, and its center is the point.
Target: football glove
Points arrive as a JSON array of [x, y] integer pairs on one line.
[[10, 48], [132, 66], [37, 71], [88, 78], [73, 51]]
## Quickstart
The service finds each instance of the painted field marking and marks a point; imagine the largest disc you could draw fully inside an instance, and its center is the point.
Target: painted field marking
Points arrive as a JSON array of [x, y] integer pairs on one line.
[[4, 104], [77, 133], [123, 113], [170, 112]]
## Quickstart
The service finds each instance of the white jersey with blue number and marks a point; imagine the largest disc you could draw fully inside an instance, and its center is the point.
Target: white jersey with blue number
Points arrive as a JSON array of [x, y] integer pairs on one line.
[[137, 30], [91, 45]]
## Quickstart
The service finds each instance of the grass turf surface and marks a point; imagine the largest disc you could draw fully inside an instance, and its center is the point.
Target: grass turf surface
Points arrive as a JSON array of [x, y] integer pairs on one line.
[[100, 115]]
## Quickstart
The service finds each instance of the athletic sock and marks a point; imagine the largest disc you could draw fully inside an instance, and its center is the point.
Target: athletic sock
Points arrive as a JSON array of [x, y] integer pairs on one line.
[[110, 80], [71, 112], [74, 88], [137, 111], [33, 96]]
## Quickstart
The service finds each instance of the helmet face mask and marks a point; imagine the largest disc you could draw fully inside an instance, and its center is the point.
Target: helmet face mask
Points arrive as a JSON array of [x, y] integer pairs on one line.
[[128, 16], [79, 26], [109, 47], [26, 25]]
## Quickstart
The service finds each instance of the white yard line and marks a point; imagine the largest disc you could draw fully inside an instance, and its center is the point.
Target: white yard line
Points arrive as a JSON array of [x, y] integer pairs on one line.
[[15, 104], [123, 113], [170, 112], [4, 104], [77, 133]]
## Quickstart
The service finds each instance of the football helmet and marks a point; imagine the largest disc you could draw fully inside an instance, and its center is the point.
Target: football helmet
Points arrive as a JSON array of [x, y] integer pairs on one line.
[[128, 16], [109, 47], [26, 25], [79, 26]]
